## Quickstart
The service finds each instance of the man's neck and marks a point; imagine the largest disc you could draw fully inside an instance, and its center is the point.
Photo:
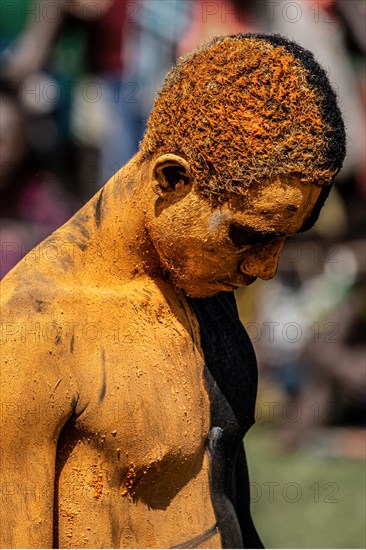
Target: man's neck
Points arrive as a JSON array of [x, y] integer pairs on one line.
[[110, 243]]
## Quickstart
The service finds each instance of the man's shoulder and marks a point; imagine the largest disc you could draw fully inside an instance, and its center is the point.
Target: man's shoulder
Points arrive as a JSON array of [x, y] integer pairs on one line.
[[34, 289], [28, 291]]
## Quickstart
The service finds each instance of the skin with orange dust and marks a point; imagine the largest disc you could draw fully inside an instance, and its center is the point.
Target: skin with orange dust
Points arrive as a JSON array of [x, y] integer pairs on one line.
[[127, 381]]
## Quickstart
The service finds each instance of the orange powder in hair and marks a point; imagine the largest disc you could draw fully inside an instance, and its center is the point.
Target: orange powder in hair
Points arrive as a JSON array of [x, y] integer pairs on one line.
[[240, 111]]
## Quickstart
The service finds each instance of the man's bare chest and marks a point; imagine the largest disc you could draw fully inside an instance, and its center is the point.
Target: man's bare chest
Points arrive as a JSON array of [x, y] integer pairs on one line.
[[143, 404], [151, 404]]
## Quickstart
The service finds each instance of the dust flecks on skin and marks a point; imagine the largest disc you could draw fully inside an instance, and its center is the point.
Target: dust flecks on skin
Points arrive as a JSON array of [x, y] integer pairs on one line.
[[130, 481], [97, 483]]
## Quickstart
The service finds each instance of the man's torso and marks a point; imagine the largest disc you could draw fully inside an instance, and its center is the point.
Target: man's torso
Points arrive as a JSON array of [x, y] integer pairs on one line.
[[161, 398]]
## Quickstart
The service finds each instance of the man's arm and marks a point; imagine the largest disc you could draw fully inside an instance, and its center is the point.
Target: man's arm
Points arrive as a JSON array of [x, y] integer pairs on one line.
[[34, 407]]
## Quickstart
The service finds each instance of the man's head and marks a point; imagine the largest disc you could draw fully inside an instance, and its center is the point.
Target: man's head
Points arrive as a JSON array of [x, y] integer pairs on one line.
[[248, 126]]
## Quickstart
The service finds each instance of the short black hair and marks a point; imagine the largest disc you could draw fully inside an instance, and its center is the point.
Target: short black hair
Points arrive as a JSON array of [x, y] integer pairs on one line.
[[317, 78], [248, 108]]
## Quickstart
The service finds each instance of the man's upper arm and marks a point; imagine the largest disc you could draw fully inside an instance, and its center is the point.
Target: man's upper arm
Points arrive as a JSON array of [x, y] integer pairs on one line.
[[34, 406]]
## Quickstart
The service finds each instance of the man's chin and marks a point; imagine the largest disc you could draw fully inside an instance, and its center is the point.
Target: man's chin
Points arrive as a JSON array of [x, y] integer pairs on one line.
[[201, 294], [207, 290], [249, 280]]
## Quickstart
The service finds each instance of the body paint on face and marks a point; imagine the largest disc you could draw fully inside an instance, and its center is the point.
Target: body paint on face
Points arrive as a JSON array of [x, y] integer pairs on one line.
[[262, 260], [217, 219]]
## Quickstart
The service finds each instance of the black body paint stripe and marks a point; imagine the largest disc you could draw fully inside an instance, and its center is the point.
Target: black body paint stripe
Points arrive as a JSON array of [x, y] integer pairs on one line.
[[98, 208], [231, 379], [104, 379]]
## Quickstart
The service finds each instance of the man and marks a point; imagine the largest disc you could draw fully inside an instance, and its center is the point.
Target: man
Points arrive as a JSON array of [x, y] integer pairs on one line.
[[128, 382]]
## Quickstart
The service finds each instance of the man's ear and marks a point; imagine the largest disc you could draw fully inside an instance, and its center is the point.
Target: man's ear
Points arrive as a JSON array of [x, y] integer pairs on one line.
[[170, 173]]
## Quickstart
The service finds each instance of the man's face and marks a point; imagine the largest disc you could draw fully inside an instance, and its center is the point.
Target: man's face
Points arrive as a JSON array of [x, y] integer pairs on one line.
[[207, 250]]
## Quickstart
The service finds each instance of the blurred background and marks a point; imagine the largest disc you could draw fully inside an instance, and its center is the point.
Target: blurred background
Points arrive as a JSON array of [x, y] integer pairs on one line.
[[77, 82]]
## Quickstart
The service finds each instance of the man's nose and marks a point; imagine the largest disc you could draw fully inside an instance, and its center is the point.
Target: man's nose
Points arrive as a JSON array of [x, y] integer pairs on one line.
[[262, 260]]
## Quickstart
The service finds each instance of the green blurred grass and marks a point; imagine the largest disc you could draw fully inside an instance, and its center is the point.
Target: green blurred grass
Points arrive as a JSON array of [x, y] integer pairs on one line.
[[317, 502]]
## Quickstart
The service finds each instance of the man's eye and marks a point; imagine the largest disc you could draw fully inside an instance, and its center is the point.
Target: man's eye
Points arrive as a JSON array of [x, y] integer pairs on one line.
[[241, 237]]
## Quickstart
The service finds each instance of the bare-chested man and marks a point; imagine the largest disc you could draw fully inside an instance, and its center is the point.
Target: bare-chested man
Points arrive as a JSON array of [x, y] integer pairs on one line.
[[127, 382]]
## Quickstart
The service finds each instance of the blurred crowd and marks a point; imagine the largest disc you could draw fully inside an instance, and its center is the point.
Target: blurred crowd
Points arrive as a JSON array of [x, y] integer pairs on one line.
[[77, 82]]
